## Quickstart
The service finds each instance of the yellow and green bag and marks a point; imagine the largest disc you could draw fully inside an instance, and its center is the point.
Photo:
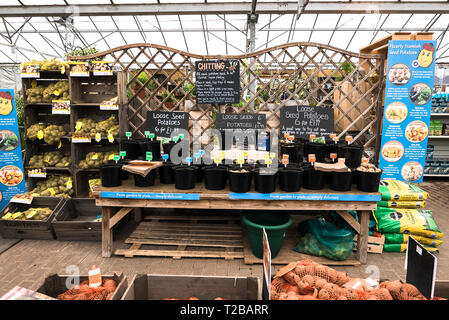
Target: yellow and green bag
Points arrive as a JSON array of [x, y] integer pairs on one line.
[[401, 247], [413, 221], [402, 204], [398, 238], [394, 190]]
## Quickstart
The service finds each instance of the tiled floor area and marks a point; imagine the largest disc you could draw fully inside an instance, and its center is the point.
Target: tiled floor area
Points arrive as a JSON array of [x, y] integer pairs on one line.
[[28, 262]]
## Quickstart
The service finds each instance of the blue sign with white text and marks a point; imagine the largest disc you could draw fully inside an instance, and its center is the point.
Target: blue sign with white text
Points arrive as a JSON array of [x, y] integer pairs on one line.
[[12, 178], [408, 100]]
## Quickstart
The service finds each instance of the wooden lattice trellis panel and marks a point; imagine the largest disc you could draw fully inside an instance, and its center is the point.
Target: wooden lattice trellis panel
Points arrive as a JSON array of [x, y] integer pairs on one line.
[[291, 74]]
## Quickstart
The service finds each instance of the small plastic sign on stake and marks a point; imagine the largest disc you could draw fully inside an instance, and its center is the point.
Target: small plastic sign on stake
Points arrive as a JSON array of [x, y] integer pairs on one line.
[[365, 160], [128, 134], [116, 158], [151, 135], [147, 133], [332, 136], [181, 136], [335, 140], [333, 156], [122, 154], [149, 155], [268, 162], [175, 139], [196, 155], [95, 277], [286, 135], [312, 137], [291, 138], [98, 137], [312, 158], [189, 160], [348, 139], [285, 159], [201, 152], [165, 157]]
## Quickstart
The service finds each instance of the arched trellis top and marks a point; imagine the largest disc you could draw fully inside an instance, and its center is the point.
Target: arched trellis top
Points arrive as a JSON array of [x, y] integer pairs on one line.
[[290, 74]]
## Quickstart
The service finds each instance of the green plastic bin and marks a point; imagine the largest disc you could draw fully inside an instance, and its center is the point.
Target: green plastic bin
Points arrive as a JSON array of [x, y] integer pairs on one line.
[[275, 224]]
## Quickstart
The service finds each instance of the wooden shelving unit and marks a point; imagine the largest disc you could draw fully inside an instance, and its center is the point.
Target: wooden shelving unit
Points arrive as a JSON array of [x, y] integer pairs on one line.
[[86, 95]]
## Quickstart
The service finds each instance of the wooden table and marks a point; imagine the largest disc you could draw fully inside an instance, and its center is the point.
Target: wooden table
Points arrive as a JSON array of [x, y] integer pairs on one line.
[[127, 197]]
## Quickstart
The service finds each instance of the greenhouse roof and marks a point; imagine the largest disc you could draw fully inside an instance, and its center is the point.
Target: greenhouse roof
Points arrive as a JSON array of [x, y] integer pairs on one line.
[[32, 29]]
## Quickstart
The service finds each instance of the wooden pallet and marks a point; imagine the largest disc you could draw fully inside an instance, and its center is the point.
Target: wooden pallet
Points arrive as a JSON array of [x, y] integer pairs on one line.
[[375, 244], [186, 237]]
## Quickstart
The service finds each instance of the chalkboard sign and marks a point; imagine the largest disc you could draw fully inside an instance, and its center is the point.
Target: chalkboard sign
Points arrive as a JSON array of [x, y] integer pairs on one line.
[[163, 123], [301, 121], [217, 81], [242, 121]]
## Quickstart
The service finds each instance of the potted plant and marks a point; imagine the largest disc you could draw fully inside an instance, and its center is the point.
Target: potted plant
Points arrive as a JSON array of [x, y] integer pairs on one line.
[[168, 101]]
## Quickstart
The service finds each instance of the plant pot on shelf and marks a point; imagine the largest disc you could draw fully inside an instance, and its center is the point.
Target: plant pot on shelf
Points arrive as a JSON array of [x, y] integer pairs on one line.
[[318, 149], [240, 179], [294, 151], [352, 153], [215, 177], [264, 183], [368, 181], [148, 145], [111, 175], [166, 175], [132, 148], [341, 181], [185, 177], [146, 181], [290, 178], [312, 179], [198, 172]]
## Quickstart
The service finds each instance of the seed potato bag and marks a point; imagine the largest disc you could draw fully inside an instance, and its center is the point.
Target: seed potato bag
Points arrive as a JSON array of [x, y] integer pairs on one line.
[[399, 190], [398, 238], [412, 221], [402, 204], [402, 247]]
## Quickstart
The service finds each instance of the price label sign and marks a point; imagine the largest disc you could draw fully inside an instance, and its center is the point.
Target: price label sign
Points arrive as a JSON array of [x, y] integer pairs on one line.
[[365, 160], [98, 137], [149, 156], [122, 154], [116, 157], [333, 136], [165, 156], [110, 138], [147, 133], [312, 137], [189, 159], [348, 139], [175, 139], [312, 157], [128, 134], [151, 135], [333, 156]]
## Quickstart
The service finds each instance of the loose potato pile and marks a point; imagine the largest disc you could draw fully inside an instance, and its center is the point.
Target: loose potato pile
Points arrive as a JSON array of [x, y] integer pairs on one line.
[[50, 159], [368, 167], [30, 214], [46, 94], [54, 186], [96, 159], [89, 127], [33, 130], [50, 65]]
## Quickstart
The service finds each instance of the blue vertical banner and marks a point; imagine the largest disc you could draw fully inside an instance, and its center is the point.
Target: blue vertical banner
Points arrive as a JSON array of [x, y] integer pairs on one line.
[[12, 177], [408, 100]]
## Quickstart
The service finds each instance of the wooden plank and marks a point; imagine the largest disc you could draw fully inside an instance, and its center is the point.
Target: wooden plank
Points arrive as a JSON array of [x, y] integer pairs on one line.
[[189, 229], [130, 252], [189, 243], [181, 237], [209, 226], [106, 240], [182, 254], [196, 234], [187, 217], [350, 220], [362, 240], [119, 216]]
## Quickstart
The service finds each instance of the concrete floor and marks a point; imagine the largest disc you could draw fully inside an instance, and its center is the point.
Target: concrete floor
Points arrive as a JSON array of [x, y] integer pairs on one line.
[[28, 262]]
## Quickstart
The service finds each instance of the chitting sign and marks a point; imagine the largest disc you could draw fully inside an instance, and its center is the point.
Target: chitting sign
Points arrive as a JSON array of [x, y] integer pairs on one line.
[[302, 121], [163, 123], [217, 81], [243, 121]]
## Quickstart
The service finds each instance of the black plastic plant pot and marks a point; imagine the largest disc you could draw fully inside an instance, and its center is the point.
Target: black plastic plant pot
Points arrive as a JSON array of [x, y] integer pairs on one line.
[[198, 172], [239, 179], [290, 179], [341, 181], [294, 152], [368, 181], [312, 179], [111, 175], [319, 149], [132, 148], [352, 153], [155, 149], [146, 181], [215, 177], [167, 149], [185, 177], [264, 183], [331, 147], [124, 173], [166, 175]]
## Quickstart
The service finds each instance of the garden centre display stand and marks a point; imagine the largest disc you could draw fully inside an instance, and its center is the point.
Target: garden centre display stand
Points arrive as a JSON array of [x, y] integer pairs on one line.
[[117, 202]]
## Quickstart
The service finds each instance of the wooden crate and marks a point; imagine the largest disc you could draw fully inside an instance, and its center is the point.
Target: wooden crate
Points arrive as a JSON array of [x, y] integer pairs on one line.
[[375, 244], [56, 284], [158, 287], [187, 237], [74, 221], [30, 229], [93, 89]]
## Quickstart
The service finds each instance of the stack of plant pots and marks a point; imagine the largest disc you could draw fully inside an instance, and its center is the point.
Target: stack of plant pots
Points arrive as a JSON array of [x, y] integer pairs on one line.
[[312, 179], [290, 177]]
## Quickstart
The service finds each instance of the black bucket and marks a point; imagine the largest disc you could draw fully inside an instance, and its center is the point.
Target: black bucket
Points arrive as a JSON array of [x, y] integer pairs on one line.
[[215, 177], [240, 179], [146, 145], [318, 149], [312, 179], [111, 175], [368, 181], [341, 181], [146, 181], [352, 153], [132, 148], [290, 178], [185, 177], [166, 175], [265, 183], [294, 152]]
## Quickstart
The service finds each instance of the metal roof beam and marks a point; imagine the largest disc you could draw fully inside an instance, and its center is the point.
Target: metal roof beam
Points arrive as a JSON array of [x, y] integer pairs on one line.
[[319, 7]]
